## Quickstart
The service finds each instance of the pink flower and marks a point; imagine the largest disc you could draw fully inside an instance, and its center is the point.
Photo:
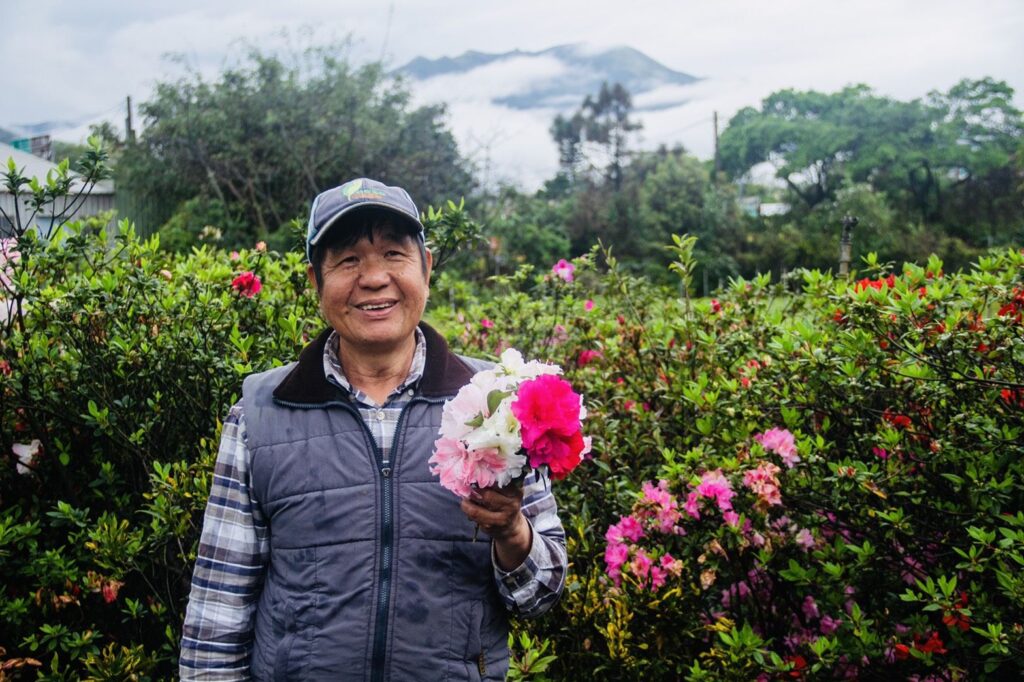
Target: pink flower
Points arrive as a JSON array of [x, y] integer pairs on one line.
[[615, 555], [658, 504], [691, 506], [810, 608], [247, 284], [234, 255], [829, 625], [765, 483], [587, 356], [641, 564], [548, 411], [486, 324], [588, 305], [781, 442], [804, 539], [881, 453], [628, 528], [460, 468], [261, 246], [564, 269], [713, 485], [657, 577]]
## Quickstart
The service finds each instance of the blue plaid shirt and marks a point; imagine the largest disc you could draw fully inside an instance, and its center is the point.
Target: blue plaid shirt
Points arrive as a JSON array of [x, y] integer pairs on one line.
[[234, 549]]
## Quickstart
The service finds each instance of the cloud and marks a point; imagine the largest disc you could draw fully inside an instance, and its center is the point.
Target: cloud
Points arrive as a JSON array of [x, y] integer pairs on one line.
[[490, 81]]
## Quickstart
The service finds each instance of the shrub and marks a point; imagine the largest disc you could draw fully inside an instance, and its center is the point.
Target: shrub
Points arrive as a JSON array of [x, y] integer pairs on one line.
[[826, 485], [814, 485]]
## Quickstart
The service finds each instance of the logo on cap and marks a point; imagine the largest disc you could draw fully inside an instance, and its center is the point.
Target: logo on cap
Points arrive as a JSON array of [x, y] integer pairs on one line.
[[354, 190]]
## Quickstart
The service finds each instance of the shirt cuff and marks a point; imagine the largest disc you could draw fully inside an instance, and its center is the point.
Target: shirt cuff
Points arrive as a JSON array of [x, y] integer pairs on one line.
[[525, 573]]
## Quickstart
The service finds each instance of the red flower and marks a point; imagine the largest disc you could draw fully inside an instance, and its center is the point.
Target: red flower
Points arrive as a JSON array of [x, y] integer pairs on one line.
[[5, 368], [247, 284], [548, 411], [901, 421], [715, 305], [587, 356], [901, 651], [933, 645], [110, 589], [799, 663]]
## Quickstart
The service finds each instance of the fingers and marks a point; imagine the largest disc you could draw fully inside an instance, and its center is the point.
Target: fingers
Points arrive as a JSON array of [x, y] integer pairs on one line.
[[497, 512]]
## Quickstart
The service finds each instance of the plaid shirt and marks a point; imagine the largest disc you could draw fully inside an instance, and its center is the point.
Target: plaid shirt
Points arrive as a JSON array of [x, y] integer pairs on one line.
[[234, 549]]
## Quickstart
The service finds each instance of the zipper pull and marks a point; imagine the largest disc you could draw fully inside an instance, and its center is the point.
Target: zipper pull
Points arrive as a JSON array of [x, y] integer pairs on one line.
[[386, 472]]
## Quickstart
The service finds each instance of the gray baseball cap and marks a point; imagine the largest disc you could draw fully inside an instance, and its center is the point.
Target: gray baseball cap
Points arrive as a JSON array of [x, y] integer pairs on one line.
[[330, 206]]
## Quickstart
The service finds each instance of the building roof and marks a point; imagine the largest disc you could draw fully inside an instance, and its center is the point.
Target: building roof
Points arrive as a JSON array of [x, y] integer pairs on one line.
[[31, 165]]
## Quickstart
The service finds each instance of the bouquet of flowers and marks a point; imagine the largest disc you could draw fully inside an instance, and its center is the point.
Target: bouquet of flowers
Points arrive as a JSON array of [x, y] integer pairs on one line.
[[516, 416]]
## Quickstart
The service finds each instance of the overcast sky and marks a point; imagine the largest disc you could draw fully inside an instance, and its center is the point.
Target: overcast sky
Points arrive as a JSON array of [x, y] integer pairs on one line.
[[80, 59]]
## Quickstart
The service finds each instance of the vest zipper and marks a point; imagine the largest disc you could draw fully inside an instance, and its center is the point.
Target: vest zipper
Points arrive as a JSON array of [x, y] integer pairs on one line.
[[380, 634]]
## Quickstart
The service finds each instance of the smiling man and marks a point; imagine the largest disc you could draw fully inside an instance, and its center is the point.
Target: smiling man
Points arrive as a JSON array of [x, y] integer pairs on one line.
[[329, 551]]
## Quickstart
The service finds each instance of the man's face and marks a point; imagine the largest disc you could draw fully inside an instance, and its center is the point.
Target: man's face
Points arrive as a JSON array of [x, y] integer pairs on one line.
[[374, 292]]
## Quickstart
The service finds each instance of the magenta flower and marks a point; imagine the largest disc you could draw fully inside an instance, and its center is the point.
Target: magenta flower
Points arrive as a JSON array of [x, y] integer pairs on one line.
[[714, 486], [564, 269], [486, 324], [588, 305], [587, 356]]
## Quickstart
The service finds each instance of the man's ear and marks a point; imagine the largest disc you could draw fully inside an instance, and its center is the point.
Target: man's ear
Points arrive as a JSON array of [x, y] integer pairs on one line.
[[429, 255], [311, 276]]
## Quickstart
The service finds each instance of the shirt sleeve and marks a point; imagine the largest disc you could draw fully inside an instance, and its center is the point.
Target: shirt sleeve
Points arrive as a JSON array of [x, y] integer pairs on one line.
[[535, 585], [234, 550]]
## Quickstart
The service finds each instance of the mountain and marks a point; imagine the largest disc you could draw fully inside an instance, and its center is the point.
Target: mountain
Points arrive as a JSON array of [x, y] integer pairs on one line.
[[579, 71]]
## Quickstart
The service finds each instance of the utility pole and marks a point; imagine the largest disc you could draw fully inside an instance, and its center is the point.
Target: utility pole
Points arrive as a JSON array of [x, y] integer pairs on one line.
[[129, 132], [718, 165], [845, 241]]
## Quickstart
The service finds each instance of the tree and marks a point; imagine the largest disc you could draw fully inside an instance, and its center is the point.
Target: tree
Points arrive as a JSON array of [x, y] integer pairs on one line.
[[267, 135], [924, 155], [597, 133]]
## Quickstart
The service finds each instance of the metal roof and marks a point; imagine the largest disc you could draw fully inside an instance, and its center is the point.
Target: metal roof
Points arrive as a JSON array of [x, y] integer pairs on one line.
[[31, 165]]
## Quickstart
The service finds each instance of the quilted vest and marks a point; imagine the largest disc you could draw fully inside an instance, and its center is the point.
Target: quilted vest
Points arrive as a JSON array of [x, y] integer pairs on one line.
[[374, 574]]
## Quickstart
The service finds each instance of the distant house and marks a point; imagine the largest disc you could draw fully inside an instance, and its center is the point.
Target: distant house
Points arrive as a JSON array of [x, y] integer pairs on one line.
[[100, 199], [754, 207]]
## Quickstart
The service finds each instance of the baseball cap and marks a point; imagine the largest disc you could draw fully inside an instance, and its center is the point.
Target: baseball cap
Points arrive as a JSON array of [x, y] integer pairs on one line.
[[330, 206]]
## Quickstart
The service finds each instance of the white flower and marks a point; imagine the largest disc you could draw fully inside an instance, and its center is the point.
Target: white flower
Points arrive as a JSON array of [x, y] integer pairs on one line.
[[26, 452], [512, 364], [499, 431]]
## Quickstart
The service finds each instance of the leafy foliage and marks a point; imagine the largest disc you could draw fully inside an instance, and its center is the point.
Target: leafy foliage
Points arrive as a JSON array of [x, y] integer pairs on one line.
[[253, 146]]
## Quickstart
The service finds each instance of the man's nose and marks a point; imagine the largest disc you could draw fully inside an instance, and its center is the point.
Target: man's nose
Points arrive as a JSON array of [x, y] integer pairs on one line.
[[373, 273]]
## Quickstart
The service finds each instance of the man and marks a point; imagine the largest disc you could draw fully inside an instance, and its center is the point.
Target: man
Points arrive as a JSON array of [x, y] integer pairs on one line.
[[329, 551]]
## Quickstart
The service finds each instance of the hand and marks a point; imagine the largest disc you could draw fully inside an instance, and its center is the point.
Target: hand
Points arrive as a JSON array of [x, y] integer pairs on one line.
[[498, 512]]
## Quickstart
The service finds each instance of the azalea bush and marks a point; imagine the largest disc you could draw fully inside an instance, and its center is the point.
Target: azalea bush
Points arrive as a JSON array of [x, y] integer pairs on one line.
[[809, 479], [815, 479]]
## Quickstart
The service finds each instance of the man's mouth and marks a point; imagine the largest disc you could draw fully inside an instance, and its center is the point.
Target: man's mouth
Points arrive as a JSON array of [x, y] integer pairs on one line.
[[376, 306]]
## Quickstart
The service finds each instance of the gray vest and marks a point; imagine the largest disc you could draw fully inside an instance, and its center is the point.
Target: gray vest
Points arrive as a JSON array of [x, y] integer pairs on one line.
[[373, 572]]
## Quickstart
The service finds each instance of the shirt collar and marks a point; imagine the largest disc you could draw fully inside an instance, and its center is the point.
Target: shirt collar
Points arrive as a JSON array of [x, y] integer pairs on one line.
[[336, 373]]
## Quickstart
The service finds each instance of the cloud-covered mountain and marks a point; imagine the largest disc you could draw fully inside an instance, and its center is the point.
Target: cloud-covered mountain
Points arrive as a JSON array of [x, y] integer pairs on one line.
[[560, 76]]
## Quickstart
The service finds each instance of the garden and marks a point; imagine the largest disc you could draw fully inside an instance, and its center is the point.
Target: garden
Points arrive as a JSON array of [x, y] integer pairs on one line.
[[807, 477]]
